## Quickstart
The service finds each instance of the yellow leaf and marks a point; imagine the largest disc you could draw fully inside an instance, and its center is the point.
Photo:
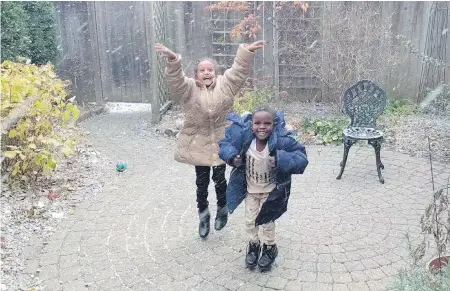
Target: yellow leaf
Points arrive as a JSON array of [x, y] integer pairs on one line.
[[15, 171], [67, 151], [52, 163], [39, 105], [12, 133], [10, 154], [66, 115]]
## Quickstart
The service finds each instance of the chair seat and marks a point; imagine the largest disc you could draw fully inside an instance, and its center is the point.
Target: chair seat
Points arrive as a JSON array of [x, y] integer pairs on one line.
[[364, 133]]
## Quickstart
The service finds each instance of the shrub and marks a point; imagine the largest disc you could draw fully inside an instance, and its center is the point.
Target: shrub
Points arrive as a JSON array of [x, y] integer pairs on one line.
[[401, 107], [251, 99], [326, 131], [34, 144], [28, 30], [14, 33], [42, 32]]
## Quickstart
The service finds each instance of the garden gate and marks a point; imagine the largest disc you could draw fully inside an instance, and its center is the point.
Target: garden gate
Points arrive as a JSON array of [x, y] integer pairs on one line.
[[109, 52]]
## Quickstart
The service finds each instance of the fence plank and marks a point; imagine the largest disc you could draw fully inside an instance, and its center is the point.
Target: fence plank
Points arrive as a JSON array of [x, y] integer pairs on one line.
[[92, 23], [151, 40], [76, 59]]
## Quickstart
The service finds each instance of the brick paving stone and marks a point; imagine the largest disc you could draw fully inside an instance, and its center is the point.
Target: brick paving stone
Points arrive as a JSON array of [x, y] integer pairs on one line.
[[140, 232]]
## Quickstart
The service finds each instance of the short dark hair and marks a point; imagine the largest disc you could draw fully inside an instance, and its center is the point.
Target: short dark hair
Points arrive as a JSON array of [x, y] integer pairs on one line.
[[265, 108], [212, 61]]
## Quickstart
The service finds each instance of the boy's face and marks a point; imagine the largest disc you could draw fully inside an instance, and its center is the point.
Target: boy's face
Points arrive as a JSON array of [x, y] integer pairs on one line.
[[262, 125], [206, 73]]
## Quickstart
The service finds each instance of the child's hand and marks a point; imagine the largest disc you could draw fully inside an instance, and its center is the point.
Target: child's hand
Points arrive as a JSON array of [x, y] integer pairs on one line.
[[165, 52], [237, 161], [256, 45], [272, 162]]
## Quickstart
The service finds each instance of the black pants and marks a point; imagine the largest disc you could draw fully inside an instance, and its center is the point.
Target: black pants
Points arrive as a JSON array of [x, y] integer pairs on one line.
[[202, 181]]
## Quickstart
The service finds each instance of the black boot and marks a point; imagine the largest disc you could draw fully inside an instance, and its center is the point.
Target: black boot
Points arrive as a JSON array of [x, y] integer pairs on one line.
[[203, 228], [269, 253], [221, 218], [253, 250]]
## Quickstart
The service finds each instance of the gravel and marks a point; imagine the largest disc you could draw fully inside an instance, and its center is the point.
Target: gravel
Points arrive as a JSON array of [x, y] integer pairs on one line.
[[33, 213]]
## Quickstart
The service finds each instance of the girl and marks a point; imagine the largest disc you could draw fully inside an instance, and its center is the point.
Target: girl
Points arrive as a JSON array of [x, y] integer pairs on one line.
[[206, 100], [264, 155]]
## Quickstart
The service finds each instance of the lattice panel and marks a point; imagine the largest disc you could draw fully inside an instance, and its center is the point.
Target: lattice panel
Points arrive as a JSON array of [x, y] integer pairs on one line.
[[299, 39], [224, 47], [159, 26]]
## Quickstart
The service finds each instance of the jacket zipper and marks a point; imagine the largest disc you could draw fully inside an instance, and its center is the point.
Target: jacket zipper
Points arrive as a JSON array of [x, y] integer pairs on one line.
[[211, 125]]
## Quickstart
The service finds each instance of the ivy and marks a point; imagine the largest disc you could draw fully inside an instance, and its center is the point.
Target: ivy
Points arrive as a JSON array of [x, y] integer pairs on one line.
[[14, 33], [28, 31], [41, 27]]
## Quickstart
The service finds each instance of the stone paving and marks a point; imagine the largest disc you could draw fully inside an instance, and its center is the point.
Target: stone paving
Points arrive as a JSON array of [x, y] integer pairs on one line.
[[141, 232]]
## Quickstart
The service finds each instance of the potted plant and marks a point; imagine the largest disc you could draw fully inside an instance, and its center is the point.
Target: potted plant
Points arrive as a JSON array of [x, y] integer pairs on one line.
[[436, 221]]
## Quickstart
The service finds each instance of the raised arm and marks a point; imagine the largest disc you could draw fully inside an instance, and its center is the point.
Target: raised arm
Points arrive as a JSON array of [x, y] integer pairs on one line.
[[234, 78], [180, 86]]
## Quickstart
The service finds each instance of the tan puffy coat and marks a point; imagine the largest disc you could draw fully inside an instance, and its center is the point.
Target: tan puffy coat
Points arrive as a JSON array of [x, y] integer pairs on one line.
[[205, 108]]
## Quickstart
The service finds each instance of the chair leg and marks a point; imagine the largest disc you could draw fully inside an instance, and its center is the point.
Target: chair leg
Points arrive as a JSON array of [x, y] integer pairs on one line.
[[347, 145], [376, 143]]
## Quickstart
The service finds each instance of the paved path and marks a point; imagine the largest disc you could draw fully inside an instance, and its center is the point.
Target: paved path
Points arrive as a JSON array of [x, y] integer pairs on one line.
[[141, 232]]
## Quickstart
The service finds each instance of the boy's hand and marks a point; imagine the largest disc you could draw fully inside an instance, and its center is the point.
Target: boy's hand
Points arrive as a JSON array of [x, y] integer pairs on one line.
[[272, 162], [256, 45], [165, 52], [237, 161]]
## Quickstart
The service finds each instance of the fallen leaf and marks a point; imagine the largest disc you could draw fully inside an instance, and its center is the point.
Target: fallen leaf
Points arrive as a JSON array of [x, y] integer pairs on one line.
[[53, 196]]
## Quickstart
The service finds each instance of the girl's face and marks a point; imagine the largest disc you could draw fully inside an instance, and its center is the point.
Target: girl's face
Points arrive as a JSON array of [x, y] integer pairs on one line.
[[262, 125], [206, 73]]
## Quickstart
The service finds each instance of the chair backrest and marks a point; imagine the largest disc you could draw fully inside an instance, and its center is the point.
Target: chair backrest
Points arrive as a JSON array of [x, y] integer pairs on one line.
[[364, 102]]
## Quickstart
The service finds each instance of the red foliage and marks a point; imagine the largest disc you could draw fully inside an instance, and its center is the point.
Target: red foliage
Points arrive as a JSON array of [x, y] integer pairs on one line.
[[250, 27]]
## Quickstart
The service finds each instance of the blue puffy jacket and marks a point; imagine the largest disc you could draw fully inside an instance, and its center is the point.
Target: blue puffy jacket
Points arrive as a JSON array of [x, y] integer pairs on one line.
[[290, 159]]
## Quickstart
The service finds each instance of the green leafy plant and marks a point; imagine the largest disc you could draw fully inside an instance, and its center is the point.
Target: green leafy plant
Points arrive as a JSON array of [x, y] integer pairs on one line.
[[36, 142], [401, 107], [325, 131], [251, 99], [417, 278]]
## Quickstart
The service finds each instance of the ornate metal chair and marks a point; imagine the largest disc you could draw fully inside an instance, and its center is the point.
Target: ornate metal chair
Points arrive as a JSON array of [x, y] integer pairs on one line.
[[364, 102]]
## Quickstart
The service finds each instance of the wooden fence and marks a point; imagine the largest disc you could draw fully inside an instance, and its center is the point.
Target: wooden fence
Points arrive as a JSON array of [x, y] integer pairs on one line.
[[108, 51], [108, 47]]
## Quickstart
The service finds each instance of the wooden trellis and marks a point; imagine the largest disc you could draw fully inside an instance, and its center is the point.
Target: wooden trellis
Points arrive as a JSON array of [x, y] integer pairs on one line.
[[156, 27], [280, 29]]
